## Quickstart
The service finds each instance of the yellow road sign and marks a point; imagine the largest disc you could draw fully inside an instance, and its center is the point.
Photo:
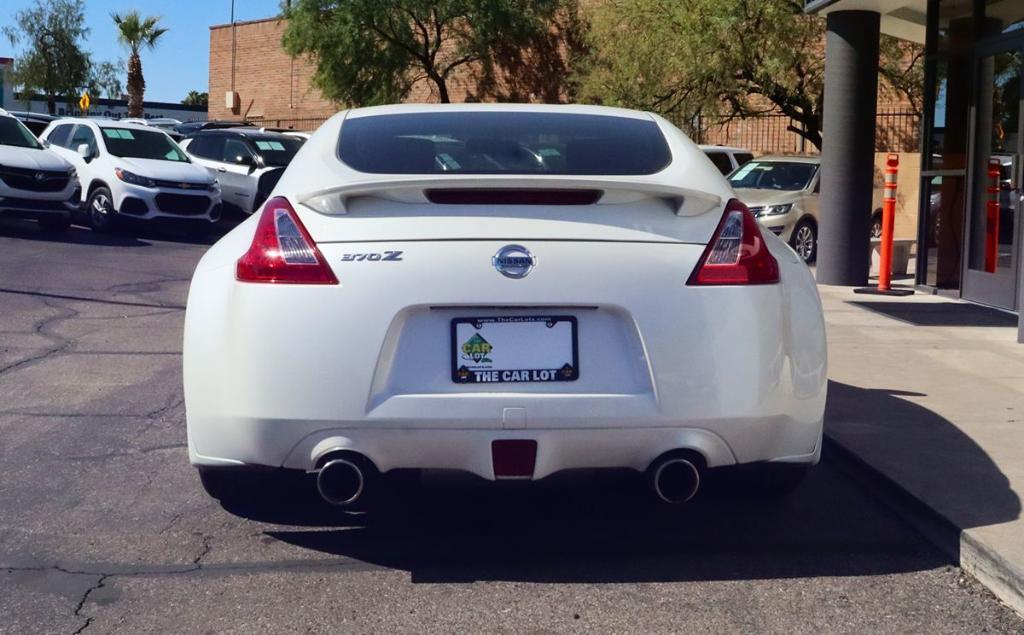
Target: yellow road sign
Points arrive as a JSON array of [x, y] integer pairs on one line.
[[84, 102]]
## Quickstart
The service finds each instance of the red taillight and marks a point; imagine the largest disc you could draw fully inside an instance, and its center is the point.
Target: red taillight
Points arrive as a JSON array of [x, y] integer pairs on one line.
[[737, 253], [282, 250]]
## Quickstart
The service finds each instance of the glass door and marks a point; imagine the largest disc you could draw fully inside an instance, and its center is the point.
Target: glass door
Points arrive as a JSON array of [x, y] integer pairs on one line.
[[994, 217]]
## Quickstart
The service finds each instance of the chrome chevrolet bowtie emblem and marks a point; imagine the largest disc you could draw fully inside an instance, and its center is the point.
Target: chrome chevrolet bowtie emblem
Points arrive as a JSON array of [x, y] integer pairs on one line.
[[40, 176]]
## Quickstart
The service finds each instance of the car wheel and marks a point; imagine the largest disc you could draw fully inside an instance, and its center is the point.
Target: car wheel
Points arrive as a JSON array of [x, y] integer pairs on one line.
[[805, 241], [100, 209], [876, 225], [54, 225]]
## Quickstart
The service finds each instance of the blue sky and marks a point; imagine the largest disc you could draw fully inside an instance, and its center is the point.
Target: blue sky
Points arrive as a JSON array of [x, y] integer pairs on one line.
[[180, 62]]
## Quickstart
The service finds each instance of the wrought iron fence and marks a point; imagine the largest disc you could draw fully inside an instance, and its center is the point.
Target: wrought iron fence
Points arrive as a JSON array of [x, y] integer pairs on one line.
[[895, 131]]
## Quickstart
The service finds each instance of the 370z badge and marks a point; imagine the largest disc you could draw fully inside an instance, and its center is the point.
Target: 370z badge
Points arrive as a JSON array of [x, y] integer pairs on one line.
[[379, 256]]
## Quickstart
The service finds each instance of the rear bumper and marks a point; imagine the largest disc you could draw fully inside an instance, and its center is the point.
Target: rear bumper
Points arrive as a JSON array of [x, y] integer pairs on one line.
[[469, 450], [277, 375]]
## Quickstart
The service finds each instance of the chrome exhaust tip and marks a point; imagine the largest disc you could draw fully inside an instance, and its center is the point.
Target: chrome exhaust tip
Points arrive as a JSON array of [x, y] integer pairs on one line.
[[675, 480], [340, 482]]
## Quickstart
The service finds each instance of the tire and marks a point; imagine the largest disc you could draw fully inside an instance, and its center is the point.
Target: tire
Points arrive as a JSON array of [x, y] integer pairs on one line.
[[100, 212], [876, 225], [57, 225], [805, 241]]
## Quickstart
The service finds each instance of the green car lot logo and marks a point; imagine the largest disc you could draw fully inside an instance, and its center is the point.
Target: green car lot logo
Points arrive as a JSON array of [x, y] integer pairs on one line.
[[477, 348]]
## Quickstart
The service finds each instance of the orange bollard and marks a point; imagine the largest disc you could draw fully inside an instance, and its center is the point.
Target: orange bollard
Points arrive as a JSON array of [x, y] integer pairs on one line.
[[892, 168], [992, 216]]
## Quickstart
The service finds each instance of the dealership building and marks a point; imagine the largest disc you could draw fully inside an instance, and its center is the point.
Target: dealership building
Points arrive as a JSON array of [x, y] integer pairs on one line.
[[970, 229]]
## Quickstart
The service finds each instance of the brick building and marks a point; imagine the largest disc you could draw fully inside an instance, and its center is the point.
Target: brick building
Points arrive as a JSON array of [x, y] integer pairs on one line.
[[275, 88]]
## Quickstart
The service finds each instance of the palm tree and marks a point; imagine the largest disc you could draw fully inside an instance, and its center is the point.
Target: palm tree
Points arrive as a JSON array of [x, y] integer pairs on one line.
[[136, 33]]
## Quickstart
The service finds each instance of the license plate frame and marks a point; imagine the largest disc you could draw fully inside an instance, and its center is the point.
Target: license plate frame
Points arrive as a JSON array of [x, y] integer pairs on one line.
[[467, 371]]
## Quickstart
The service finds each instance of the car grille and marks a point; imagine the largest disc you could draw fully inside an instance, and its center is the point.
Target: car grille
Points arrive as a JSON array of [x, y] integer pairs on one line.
[[182, 204], [34, 180], [181, 185]]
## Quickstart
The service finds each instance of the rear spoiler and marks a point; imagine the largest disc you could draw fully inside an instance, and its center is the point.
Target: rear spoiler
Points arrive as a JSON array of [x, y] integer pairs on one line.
[[335, 200]]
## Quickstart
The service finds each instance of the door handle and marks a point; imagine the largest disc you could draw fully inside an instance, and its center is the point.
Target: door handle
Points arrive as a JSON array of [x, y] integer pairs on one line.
[[222, 169]]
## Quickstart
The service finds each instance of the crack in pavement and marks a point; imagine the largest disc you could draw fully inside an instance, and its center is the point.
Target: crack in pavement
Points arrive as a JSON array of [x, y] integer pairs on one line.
[[38, 328], [122, 453], [146, 571], [79, 298], [100, 583]]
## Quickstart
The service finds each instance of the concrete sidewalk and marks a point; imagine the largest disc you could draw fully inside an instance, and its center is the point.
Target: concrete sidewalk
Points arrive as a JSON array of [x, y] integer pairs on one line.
[[929, 392]]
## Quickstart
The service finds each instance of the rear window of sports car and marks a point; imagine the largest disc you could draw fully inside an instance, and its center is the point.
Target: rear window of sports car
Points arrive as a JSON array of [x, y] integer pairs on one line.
[[503, 143]]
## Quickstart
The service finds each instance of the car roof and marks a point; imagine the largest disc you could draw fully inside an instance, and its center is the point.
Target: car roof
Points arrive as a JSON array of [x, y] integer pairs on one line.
[[106, 121], [24, 114], [724, 148], [572, 109], [791, 158], [252, 133]]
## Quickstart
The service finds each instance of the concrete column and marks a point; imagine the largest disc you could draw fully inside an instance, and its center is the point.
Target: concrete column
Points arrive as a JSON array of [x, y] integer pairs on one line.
[[848, 153]]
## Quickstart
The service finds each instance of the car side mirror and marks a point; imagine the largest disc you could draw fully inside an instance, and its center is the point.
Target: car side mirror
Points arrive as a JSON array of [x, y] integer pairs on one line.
[[44, 143], [84, 151], [247, 161]]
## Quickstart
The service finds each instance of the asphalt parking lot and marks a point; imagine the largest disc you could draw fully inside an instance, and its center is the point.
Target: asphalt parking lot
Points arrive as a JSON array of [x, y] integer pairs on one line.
[[104, 526]]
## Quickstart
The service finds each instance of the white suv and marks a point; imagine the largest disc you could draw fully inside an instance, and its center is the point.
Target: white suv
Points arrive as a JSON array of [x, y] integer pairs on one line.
[[134, 171], [247, 161], [727, 158], [34, 182]]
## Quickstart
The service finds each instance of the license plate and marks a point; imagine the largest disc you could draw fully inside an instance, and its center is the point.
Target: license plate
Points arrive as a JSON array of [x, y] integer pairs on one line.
[[514, 349]]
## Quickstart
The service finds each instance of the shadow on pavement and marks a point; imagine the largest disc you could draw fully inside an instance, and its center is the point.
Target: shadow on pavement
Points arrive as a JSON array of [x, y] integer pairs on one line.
[[129, 232], [924, 453], [29, 230], [940, 313], [604, 527]]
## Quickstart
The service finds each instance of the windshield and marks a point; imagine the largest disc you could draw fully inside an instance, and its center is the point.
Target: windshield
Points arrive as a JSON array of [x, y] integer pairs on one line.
[[773, 175], [141, 144], [503, 143], [13, 133], [277, 152]]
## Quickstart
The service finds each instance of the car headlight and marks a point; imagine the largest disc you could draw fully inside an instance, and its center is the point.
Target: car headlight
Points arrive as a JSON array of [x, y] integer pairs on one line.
[[774, 210], [72, 173], [214, 186], [134, 179]]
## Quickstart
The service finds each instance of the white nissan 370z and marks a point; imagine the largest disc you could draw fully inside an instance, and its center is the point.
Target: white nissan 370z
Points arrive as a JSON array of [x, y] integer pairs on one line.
[[506, 290]]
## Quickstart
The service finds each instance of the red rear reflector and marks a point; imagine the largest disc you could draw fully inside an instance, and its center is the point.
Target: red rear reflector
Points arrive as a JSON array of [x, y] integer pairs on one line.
[[514, 458], [282, 250], [737, 253]]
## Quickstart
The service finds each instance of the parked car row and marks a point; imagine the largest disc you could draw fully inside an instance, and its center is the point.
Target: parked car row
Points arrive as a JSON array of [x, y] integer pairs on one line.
[[101, 170]]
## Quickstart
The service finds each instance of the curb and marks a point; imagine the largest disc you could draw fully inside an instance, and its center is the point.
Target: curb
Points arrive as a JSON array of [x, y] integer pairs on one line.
[[998, 575]]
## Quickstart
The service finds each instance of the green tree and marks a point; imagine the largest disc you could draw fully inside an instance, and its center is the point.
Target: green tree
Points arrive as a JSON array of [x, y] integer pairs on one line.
[[373, 51], [195, 98], [739, 58], [136, 33], [105, 79], [54, 63]]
